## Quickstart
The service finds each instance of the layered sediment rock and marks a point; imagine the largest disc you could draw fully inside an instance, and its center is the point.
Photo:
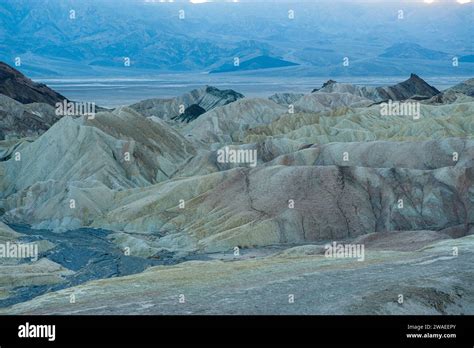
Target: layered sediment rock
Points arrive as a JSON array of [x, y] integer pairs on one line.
[[206, 98], [336, 169], [19, 120], [113, 151], [413, 87], [285, 98], [252, 207], [229, 123]]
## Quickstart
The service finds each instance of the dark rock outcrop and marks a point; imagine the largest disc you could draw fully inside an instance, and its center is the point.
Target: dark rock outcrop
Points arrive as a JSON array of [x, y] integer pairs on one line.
[[191, 113], [214, 97], [17, 86], [413, 87], [325, 84], [207, 98]]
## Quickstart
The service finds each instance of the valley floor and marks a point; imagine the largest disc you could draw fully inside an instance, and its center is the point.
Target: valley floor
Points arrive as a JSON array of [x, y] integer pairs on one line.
[[435, 279]]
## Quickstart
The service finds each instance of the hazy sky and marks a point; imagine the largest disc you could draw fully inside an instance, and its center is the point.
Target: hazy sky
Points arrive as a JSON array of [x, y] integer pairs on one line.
[[289, 1], [313, 1]]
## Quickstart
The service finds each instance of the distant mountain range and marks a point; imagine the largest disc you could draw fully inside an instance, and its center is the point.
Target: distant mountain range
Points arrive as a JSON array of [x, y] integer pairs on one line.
[[99, 38], [260, 62], [413, 51]]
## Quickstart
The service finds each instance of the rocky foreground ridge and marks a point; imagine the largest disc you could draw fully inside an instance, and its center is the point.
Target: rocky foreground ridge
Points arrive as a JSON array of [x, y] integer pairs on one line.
[[330, 167], [17, 86]]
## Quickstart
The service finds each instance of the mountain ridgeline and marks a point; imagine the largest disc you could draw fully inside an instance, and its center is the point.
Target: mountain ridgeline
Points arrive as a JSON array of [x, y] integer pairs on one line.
[[261, 35]]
